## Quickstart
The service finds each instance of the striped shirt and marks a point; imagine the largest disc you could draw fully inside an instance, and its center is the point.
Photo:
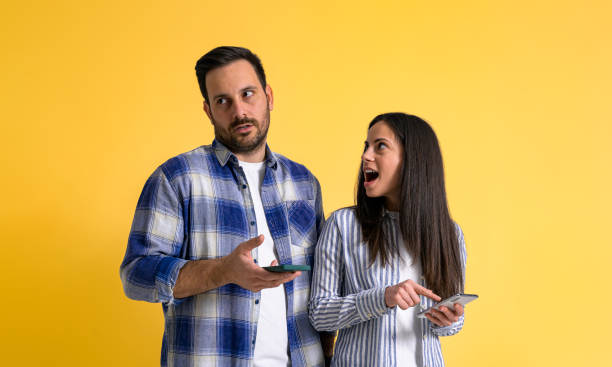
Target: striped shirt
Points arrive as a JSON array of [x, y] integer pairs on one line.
[[198, 206], [349, 296]]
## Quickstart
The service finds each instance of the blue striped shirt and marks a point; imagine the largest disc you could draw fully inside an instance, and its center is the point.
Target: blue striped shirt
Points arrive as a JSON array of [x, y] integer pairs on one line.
[[198, 206], [349, 296]]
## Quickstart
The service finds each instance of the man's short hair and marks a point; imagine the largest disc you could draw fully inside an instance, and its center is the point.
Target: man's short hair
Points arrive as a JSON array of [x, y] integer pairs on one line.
[[222, 56]]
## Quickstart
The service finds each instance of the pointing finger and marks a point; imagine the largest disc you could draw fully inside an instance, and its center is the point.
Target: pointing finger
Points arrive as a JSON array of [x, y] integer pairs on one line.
[[427, 293]]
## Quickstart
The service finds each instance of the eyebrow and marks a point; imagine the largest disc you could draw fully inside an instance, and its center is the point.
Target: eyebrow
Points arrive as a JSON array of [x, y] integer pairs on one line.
[[377, 140], [248, 87]]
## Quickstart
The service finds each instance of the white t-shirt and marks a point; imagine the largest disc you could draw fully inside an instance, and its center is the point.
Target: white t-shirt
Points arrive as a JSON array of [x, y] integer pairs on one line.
[[408, 326], [271, 342]]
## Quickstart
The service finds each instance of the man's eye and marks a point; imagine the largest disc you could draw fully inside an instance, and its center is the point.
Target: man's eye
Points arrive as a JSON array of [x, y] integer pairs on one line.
[[221, 101], [248, 93]]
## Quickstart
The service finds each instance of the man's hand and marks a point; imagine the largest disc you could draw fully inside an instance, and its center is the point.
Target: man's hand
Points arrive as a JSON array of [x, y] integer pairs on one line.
[[240, 268], [446, 316], [406, 294]]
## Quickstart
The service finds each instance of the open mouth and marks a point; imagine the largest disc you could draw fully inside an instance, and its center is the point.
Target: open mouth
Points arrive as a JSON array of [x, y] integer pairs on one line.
[[370, 175]]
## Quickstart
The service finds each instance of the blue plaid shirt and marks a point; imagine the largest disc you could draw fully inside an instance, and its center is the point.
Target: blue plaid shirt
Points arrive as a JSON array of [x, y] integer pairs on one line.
[[198, 206]]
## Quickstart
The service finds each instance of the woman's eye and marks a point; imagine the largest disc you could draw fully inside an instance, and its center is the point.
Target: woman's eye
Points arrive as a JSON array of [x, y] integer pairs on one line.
[[381, 146]]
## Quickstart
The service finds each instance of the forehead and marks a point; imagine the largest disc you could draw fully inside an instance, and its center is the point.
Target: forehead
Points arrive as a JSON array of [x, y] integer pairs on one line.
[[381, 130], [231, 77]]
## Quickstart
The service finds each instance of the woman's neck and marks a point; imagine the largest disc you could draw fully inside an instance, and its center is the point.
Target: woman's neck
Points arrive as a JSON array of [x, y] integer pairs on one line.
[[392, 205]]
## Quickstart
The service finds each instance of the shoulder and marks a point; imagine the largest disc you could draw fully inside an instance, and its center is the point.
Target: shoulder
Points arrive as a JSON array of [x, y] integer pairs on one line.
[[344, 218], [295, 180], [193, 161], [171, 179], [342, 226], [297, 172]]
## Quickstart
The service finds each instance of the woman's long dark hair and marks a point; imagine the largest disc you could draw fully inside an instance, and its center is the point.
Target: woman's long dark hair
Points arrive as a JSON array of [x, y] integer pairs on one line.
[[429, 232]]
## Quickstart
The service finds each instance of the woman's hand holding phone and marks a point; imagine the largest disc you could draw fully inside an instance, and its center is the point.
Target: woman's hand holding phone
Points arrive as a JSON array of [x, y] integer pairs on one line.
[[406, 294], [445, 316]]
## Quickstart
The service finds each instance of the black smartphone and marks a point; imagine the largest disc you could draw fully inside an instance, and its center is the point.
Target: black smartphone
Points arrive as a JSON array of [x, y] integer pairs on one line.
[[287, 268]]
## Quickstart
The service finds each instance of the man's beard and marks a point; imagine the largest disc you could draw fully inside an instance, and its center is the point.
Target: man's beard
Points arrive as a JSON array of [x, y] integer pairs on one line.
[[235, 143]]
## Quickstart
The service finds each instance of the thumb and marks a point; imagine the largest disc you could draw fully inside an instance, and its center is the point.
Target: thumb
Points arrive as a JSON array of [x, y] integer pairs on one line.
[[247, 246], [274, 262]]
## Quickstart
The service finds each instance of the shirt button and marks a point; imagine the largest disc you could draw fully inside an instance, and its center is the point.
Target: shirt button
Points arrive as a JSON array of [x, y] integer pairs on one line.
[[244, 186], [255, 260], [252, 223], [256, 301]]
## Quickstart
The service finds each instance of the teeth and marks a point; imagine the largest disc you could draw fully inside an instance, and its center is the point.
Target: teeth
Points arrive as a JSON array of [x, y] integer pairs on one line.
[[370, 174]]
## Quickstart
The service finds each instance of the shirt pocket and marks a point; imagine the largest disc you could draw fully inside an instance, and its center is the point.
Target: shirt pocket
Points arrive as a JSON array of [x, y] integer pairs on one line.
[[302, 224]]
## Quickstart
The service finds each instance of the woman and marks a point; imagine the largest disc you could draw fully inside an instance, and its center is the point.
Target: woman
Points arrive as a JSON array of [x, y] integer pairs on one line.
[[396, 250]]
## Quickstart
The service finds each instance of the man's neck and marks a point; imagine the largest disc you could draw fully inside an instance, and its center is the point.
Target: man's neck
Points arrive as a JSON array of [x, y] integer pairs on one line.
[[254, 156]]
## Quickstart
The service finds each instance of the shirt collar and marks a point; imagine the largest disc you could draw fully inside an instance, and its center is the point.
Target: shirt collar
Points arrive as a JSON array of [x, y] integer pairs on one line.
[[390, 214], [224, 155]]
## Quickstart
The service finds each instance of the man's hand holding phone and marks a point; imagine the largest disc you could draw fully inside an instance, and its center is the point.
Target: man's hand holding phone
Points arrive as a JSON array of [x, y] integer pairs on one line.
[[239, 268]]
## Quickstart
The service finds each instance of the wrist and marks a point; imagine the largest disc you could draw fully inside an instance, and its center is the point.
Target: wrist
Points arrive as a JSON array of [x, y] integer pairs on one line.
[[220, 274], [387, 303]]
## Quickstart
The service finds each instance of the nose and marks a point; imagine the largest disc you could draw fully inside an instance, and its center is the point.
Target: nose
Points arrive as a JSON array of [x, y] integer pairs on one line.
[[239, 110], [367, 155]]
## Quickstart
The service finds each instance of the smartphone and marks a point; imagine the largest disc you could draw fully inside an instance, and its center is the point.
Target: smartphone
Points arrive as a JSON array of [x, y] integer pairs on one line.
[[461, 298], [287, 268]]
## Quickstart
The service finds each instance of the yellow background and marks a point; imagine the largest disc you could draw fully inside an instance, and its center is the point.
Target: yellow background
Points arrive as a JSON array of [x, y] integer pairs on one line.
[[96, 94]]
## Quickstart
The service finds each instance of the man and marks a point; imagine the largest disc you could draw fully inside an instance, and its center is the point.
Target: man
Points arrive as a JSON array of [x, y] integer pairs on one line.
[[207, 219]]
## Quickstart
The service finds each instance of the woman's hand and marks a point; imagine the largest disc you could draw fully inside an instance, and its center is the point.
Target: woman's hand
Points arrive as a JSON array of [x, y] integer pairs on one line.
[[445, 316], [406, 294]]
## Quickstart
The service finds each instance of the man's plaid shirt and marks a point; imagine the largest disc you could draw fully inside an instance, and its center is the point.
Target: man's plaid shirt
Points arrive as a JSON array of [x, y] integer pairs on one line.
[[198, 206]]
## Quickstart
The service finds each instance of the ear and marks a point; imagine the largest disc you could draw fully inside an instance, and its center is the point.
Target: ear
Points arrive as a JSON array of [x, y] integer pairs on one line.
[[270, 97], [207, 110]]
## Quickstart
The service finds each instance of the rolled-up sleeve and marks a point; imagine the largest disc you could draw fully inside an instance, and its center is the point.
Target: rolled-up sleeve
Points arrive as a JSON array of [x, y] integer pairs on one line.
[[152, 263]]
